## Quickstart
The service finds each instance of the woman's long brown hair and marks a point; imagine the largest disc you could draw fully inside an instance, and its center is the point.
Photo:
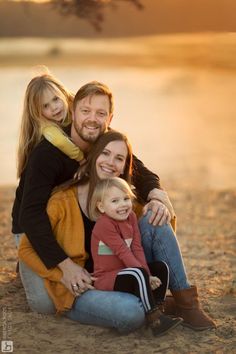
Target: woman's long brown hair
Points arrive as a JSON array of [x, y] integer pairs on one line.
[[89, 175]]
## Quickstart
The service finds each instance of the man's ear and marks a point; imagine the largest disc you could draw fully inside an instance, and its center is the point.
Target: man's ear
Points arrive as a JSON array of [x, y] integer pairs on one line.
[[110, 119], [100, 207], [73, 115]]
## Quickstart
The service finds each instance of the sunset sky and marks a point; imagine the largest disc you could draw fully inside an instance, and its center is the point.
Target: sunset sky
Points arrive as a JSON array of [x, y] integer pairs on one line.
[[157, 17]]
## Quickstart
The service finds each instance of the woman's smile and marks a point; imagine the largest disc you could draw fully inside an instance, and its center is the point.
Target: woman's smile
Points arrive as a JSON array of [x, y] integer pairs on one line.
[[107, 170], [111, 162]]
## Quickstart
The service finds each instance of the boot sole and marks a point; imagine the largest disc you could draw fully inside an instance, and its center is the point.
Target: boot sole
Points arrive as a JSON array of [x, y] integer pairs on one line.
[[180, 321], [197, 329]]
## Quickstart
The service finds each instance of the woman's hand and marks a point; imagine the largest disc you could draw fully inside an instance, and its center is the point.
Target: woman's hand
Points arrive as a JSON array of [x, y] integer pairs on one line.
[[75, 278], [154, 282], [160, 214]]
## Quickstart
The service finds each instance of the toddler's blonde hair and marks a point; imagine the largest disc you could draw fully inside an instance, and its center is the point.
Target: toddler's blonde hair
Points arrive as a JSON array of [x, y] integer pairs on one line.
[[100, 190]]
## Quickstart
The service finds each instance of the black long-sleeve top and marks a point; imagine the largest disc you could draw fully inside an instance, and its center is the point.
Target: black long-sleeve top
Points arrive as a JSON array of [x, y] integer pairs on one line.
[[48, 167]]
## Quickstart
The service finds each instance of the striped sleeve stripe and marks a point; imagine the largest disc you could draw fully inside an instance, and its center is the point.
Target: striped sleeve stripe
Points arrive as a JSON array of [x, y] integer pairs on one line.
[[137, 273]]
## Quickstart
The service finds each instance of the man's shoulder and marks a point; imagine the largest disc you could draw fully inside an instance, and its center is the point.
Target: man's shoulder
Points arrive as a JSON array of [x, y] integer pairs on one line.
[[45, 153], [45, 146]]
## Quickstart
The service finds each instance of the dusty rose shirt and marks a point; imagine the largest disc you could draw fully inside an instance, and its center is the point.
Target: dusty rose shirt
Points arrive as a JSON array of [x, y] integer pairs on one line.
[[115, 245]]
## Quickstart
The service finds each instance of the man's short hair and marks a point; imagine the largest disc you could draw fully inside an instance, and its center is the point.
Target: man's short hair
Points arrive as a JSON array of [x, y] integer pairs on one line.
[[94, 88]]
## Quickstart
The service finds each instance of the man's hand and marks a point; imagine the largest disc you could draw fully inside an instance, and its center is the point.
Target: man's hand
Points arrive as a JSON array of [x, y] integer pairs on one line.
[[75, 278], [160, 214]]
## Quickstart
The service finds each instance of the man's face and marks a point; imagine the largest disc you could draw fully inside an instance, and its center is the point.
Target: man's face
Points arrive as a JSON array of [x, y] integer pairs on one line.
[[91, 117]]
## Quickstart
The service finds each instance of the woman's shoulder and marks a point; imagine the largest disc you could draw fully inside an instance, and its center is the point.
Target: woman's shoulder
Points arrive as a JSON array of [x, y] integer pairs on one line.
[[63, 201], [63, 195]]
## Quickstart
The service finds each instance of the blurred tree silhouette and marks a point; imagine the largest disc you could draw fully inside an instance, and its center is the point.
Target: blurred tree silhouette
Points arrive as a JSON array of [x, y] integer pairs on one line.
[[91, 10]]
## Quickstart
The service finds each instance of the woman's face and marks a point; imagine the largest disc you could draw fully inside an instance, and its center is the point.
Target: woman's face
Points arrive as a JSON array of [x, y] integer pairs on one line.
[[111, 161]]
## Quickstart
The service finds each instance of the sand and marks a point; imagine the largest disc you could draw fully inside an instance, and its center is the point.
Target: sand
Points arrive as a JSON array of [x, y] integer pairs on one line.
[[206, 229], [206, 217]]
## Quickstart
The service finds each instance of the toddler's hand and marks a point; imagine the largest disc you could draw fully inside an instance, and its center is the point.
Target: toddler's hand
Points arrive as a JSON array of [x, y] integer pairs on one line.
[[154, 282]]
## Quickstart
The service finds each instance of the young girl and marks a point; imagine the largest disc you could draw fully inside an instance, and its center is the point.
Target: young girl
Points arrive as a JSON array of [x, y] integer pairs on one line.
[[46, 112], [119, 261]]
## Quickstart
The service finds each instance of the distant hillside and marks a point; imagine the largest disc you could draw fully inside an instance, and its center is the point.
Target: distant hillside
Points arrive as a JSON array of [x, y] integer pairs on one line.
[[159, 16]]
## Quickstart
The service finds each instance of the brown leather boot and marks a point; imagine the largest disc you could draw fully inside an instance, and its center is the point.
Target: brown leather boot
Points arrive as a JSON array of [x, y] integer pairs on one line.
[[188, 307], [168, 307], [161, 324]]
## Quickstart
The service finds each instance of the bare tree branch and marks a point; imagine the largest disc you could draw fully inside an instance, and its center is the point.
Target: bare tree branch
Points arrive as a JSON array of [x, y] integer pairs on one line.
[[91, 10]]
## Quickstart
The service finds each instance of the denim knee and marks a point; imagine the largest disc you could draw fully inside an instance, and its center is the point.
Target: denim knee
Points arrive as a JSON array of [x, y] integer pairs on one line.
[[144, 225], [41, 306], [144, 219], [111, 309], [134, 316], [35, 291]]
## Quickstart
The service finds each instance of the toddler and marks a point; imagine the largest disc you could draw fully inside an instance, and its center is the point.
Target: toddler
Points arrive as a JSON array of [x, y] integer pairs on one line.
[[119, 260]]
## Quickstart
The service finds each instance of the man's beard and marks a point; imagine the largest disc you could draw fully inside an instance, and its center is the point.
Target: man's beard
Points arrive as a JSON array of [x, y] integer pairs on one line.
[[87, 137]]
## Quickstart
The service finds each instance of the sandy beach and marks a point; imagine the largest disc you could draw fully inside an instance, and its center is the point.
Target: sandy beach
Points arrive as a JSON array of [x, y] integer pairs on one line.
[[186, 119], [206, 229]]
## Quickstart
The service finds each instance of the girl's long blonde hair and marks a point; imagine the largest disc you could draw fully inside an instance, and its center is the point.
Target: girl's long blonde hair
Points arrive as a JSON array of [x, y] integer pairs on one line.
[[32, 118]]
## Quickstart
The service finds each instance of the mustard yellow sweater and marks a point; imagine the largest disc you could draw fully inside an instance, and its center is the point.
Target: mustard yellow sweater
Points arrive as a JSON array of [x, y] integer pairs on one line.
[[68, 228]]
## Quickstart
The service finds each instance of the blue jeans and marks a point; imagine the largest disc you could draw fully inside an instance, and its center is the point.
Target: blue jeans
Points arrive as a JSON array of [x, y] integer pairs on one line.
[[111, 309], [160, 244], [35, 291]]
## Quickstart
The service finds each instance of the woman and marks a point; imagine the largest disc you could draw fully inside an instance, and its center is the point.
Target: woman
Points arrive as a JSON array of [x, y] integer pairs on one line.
[[68, 212]]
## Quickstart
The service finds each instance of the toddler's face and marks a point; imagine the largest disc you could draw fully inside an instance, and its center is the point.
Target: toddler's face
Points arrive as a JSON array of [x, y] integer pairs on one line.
[[116, 204]]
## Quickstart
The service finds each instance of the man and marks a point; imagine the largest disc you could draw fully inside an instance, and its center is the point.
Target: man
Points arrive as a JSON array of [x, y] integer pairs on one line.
[[48, 167]]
